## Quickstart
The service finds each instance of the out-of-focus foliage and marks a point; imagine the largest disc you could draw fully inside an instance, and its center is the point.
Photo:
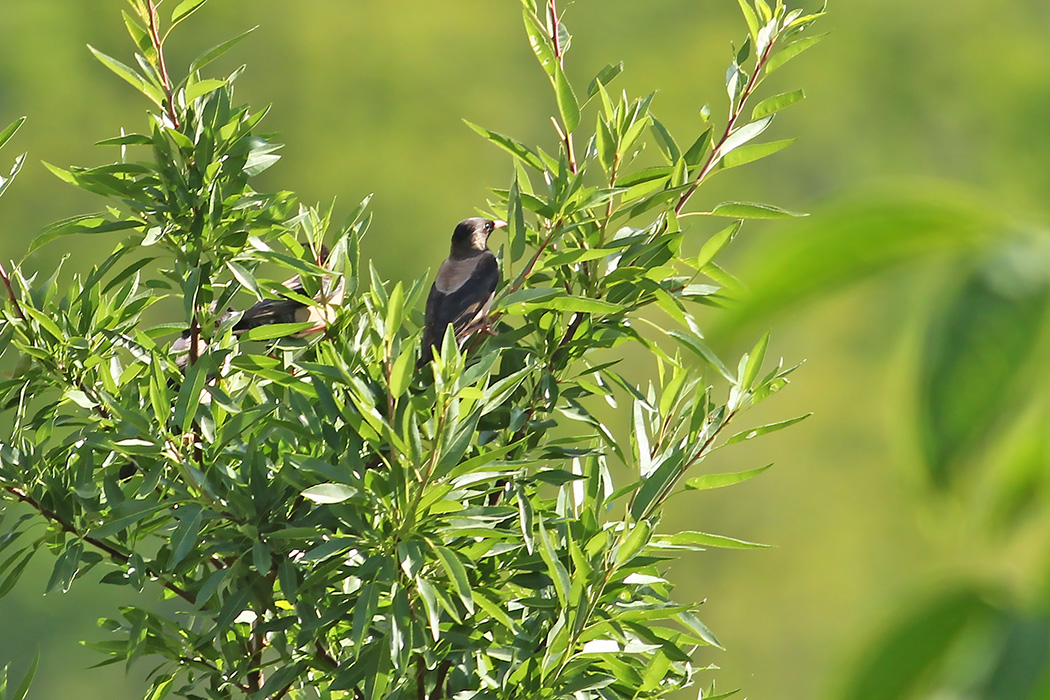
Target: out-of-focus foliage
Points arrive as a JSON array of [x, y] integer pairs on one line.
[[330, 518]]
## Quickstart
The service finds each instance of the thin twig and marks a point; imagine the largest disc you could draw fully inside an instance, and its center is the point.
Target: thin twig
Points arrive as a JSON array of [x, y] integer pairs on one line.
[[11, 293], [421, 677], [714, 158], [94, 542], [442, 674], [158, 45], [559, 53]]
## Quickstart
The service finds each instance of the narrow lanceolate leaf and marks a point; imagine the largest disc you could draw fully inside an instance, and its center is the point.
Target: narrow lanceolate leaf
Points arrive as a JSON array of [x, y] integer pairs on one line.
[[457, 575], [568, 106], [7, 133], [510, 145], [203, 87], [329, 493], [604, 77], [752, 210], [701, 348], [790, 51], [754, 363], [753, 152], [275, 330], [750, 17], [153, 92], [559, 575], [216, 51], [66, 567], [641, 437], [765, 429], [979, 344], [703, 539], [186, 534], [776, 103], [27, 680], [5, 182], [401, 371], [742, 135], [717, 481], [185, 9], [515, 221], [714, 245]]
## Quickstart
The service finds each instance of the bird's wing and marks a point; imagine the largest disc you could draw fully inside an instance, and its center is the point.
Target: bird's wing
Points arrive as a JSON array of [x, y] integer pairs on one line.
[[460, 296], [285, 310], [468, 304], [434, 302]]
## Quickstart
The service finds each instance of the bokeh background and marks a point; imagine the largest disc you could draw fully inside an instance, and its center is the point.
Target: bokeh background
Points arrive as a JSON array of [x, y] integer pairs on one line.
[[909, 514]]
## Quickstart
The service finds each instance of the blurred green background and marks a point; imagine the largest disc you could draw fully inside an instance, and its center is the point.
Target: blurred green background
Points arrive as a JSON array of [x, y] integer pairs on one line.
[[923, 153]]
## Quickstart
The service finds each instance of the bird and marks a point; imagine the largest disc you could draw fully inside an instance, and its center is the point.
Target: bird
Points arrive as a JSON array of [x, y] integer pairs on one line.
[[290, 310], [464, 286], [272, 311]]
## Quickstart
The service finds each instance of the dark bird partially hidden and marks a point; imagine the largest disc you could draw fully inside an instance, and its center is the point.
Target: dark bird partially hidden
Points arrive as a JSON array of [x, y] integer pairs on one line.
[[462, 291], [273, 311]]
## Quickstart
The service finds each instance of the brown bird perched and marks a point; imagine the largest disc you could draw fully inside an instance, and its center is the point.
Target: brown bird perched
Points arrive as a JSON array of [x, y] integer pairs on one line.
[[462, 291], [272, 311]]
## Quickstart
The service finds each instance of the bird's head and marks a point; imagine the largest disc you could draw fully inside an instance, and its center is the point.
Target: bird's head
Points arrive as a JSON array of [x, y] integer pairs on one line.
[[472, 235]]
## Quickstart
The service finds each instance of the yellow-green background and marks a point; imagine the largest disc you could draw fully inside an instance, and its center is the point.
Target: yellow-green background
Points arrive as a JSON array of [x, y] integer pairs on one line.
[[370, 97]]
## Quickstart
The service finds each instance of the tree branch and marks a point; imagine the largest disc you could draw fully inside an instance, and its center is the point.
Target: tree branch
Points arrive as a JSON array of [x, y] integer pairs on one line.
[[94, 542]]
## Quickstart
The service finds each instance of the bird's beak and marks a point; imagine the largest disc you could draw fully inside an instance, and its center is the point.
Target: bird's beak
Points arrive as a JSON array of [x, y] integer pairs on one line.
[[499, 223]]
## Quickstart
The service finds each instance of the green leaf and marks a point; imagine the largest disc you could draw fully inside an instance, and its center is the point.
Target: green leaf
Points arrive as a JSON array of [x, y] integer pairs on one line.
[[457, 575], [776, 103], [218, 50], [790, 51], [141, 509], [325, 494], [751, 18], [187, 533], [900, 663], [742, 135], [515, 221], [401, 371], [703, 539], [133, 78], [275, 330], [27, 680], [202, 88], [753, 152], [765, 429], [184, 9], [754, 363], [66, 567], [189, 398], [854, 239], [7, 133], [604, 77], [655, 488], [977, 349], [558, 573], [568, 106], [751, 210], [698, 346], [16, 572], [717, 481], [557, 302], [510, 145]]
